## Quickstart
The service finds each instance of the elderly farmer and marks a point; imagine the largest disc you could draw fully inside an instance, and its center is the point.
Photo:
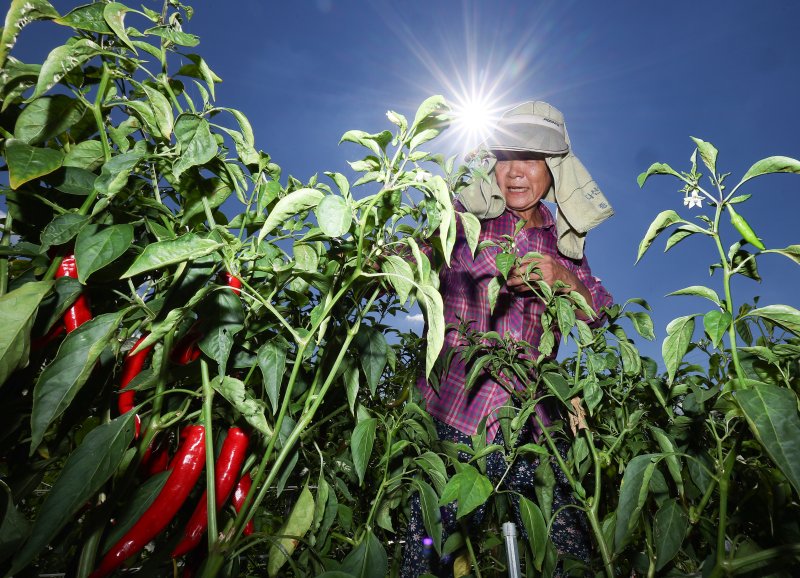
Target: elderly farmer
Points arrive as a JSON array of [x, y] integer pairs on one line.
[[531, 160]]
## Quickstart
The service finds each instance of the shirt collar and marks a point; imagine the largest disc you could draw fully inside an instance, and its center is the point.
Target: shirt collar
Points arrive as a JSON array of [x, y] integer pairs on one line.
[[545, 214]]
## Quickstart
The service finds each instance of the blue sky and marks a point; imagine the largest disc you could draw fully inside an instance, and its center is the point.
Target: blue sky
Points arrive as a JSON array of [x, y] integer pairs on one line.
[[634, 80]]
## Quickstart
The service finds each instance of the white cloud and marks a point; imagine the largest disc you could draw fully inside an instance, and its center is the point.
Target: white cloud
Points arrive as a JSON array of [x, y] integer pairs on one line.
[[417, 318]]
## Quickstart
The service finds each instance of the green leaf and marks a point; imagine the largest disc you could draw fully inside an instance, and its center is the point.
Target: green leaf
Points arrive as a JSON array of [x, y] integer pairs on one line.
[[669, 529], [95, 250], [472, 230], [663, 220], [19, 15], [434, 105], [716, 323], [87, 17], [18, 311], [251, 409], [14, 529], [432, 305], [289, 206], [632, 496], [86, 470], [631, 358], [62, 229], [60, 381], [361, 442], [368, 559], [493, 291], [699, 291], [680, 233], [676, 344], [334, 215], [656, 169], [295, 528], [792, 252], [272, 362], [372, 352], [61, 61], [771, 413], [504, 262], [673, 461], [200, 69], [782, 315], [642, 323], [431, 515], [769, 165], [86, 154], [162, 112], [400, 275], [173, 35], [76, 181], [708, 153], [565, 316], [26, 163], [535, 527], [114, 15], [225, 319], [137, 505], [47, 117], [114, 174], [197, 144], [469, 487], [162, 254], [447, 226]]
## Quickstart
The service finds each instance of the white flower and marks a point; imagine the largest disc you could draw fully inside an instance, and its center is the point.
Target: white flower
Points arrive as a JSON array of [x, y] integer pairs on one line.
[[422, 176], [693, 200]]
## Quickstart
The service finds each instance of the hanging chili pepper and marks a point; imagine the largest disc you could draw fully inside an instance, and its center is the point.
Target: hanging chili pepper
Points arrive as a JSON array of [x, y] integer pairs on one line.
[[186, 468], [186, 350], [78, 313], [155, 459], [131, 367], [231, 458], [239, 496], [233, 282], [41, 342], [744, 229]]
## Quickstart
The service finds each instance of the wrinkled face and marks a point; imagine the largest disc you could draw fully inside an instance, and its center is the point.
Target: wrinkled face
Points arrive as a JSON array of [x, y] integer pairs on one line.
[[524, 179]]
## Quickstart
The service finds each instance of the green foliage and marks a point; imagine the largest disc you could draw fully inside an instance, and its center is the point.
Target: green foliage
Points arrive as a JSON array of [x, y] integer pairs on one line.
[[117, 152]]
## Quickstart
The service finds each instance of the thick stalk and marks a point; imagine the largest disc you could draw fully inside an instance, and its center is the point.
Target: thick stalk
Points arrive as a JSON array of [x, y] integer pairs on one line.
[[211, 489], [593, 511], [726, 283], [724, 484]]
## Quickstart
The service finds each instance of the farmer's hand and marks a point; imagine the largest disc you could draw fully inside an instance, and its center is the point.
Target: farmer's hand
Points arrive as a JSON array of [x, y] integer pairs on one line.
[[548, 270]]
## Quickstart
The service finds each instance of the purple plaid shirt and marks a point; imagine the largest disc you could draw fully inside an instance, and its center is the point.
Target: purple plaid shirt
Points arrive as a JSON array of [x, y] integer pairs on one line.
[[464, 288]]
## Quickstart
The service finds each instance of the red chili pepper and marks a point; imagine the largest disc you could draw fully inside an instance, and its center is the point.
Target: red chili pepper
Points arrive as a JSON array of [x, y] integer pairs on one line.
[[155, 460], [239, 496], [186, 350], [78, 313], [231, 458], [45, 340], [131, 367], [186, 468], [233, 282]]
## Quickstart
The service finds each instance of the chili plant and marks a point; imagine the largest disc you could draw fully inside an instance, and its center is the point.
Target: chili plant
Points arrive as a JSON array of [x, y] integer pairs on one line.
[[223, 296]]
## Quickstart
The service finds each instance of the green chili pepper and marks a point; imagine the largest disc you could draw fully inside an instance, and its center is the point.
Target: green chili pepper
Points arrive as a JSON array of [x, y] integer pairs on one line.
[[744, 229]]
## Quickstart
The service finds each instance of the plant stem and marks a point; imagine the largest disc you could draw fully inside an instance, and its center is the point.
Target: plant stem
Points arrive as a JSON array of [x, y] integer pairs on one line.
[[472, 557], [592, 512], [89, 553], [6, 242], [208, 422]]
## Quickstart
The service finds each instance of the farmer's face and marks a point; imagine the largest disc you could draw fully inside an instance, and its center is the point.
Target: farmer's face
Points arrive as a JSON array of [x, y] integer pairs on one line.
[[523, 179]]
